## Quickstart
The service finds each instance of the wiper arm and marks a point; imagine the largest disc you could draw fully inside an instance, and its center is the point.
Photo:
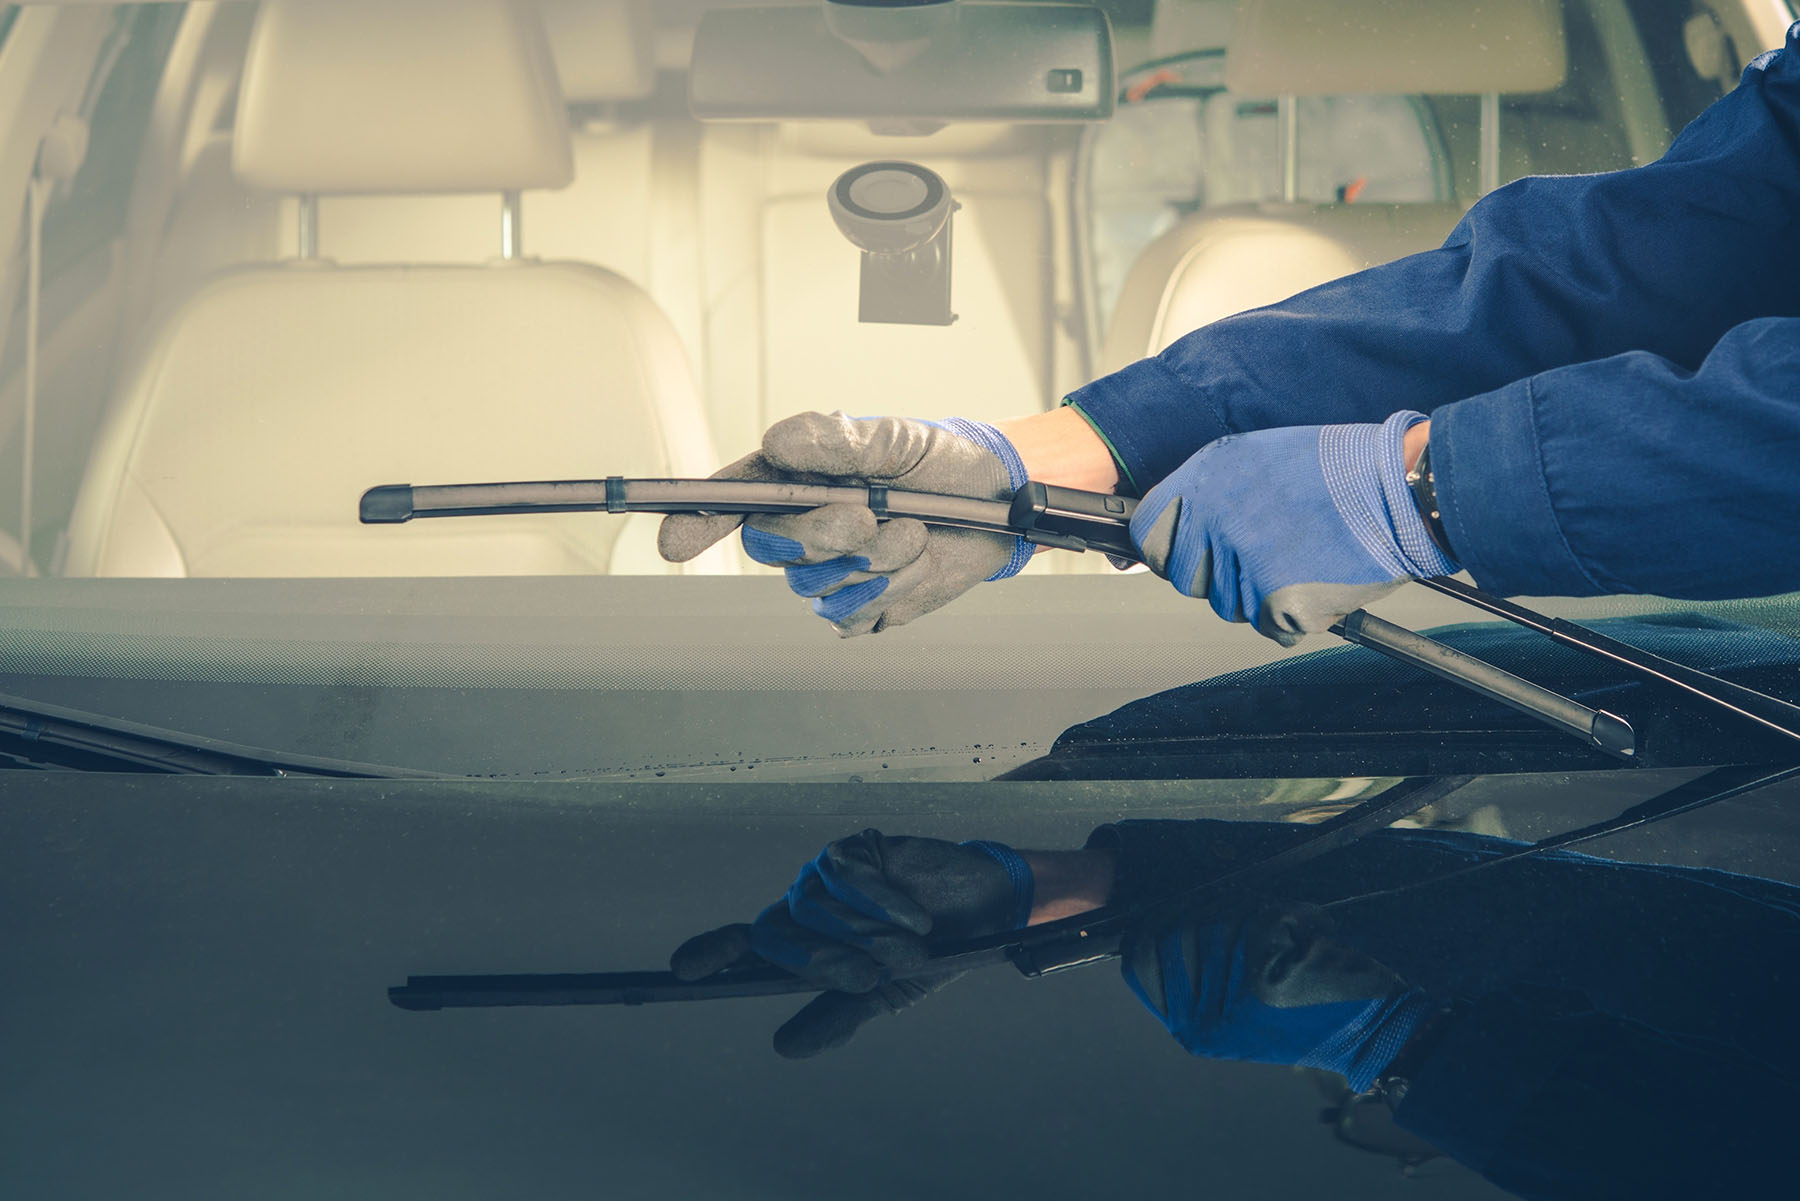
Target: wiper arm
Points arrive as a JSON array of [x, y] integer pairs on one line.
[[1771, 713], [38, 731]]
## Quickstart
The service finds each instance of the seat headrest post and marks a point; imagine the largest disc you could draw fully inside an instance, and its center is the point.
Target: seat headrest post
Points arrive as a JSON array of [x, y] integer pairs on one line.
[[512, 225], [1287, 138], [1490, 141], [307, 225]]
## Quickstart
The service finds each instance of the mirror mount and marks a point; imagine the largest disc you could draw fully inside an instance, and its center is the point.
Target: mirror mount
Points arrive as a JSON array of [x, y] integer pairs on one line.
[[889, 36], [900, 216]]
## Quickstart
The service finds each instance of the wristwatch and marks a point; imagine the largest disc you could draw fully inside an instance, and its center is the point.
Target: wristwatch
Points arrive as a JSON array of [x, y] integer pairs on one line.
[[1423, 486]]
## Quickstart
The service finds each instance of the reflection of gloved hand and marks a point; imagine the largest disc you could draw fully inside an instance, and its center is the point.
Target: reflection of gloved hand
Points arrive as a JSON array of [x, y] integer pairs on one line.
[[1290, 528], [1267, 986], [865, 905], [865, 575]]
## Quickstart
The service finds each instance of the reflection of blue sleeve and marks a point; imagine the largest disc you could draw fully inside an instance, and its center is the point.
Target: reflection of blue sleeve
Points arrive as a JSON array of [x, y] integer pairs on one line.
[[1623, 1024], [1549, 1099], [1571, 331]]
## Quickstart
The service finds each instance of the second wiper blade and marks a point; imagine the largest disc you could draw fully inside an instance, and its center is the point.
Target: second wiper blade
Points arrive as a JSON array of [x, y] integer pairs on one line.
[[102, 742]]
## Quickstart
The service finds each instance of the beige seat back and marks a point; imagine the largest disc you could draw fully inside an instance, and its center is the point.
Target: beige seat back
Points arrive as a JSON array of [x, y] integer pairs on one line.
[[1225, 260], [263, 405]]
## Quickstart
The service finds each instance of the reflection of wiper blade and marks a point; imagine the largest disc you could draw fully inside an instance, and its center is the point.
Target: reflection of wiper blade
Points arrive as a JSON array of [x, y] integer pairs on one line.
[[73, 738], [1720, 784], [1091, 937], [1087, 938]]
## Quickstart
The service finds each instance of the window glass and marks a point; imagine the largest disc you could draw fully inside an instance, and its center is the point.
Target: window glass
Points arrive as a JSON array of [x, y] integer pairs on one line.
[[274, 783]]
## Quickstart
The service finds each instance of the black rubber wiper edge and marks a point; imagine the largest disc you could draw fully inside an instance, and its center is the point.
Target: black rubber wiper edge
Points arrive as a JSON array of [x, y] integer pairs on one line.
[[128, 742]]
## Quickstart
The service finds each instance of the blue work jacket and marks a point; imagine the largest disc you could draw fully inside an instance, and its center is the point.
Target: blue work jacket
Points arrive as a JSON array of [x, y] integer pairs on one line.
[[1611, 364], [1623, 1030]]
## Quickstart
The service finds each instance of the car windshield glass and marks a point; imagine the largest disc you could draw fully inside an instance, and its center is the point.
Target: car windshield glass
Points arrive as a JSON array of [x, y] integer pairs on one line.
[[285, 276]]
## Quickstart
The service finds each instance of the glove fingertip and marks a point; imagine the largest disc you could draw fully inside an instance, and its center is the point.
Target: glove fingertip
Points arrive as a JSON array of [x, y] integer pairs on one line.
[[713, 951], [827, 1021], [685, 536]]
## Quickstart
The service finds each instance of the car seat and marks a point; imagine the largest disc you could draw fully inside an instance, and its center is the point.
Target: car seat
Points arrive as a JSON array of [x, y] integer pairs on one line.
[[260, 407], [1227, 259]]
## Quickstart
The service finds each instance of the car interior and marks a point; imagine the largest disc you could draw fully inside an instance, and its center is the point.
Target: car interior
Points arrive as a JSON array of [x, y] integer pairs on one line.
[[269, 255]]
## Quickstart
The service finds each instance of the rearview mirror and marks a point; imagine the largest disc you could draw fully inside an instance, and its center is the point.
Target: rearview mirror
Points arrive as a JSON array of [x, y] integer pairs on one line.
[[903, 67]]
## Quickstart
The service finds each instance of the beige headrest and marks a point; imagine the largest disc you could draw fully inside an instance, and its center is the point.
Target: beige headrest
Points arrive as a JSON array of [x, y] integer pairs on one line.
[[1429, 47], [401, 96], [605, 49]]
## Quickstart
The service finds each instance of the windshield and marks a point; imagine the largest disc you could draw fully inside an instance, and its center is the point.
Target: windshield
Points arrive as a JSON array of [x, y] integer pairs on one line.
[[266, 257], [248, 309]]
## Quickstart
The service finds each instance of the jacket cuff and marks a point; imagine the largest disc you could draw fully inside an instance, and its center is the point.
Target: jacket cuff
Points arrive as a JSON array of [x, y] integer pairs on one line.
[[1146, 414], [1488, 460]]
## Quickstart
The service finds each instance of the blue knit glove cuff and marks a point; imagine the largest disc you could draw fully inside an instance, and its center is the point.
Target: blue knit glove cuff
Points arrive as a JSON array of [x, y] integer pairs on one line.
[[1365, 471], [1019, 872], [1362, 1048], [995, 442]]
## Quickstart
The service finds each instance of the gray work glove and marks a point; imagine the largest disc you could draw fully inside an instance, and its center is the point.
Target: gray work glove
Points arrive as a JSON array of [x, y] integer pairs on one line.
[[865, 575], [864, 906]]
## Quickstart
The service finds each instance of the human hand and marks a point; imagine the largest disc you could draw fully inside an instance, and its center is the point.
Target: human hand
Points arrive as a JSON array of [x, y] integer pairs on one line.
[[1290, 528], [864, 574], [1265, 984], [863, 908]]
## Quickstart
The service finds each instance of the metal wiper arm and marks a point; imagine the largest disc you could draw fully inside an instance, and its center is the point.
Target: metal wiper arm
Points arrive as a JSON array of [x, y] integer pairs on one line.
[[1771, 713]]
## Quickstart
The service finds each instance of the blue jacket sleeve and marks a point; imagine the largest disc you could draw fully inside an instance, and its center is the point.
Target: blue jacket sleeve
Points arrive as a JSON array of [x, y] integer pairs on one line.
[[1636, 275], [1632, 474]]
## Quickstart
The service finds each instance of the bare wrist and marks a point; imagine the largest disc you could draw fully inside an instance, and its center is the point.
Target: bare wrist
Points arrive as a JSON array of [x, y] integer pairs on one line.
[[1060, 447], [1066, 883]]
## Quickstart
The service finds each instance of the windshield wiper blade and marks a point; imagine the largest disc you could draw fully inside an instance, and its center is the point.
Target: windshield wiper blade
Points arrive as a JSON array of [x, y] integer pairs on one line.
[[1086, 938], [1045, 514], [96, 742]]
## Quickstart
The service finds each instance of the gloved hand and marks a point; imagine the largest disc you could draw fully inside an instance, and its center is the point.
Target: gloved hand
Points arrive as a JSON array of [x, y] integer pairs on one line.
[[865, 575], [1290, 528], [1266, 985], [866, 904]]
